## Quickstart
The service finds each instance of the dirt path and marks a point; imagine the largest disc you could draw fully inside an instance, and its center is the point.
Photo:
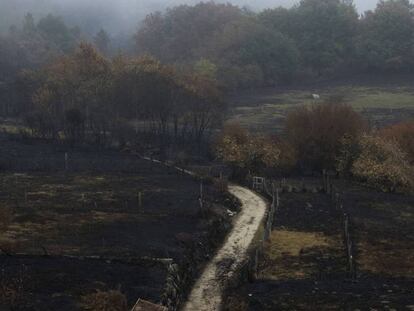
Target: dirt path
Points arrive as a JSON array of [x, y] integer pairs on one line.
[[207, 292]]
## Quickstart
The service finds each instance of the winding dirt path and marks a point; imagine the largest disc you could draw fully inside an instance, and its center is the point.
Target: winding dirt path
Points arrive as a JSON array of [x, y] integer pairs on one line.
[[206, 294]]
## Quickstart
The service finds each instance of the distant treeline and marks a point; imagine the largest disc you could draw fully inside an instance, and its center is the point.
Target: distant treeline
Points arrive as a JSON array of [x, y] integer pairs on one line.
[[84, 97], [316, 38], [37, 43], [195, 53]]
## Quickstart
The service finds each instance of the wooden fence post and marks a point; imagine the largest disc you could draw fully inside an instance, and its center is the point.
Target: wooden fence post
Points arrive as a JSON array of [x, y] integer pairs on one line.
[[337, 201], [324, 181], [201, 195], [140, 199], [277, 198], [66, 161], [328, 184]]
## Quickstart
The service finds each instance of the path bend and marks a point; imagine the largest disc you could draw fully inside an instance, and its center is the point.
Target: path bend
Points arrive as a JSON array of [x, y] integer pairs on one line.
[[206, 294]]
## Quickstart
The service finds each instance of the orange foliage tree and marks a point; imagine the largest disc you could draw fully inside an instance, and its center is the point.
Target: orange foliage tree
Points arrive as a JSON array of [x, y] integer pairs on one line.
[[383, 165], [403, 134], [316, 132]]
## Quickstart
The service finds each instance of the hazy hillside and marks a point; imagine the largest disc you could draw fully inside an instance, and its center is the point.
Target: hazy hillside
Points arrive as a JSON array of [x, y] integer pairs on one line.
[[115, 16]]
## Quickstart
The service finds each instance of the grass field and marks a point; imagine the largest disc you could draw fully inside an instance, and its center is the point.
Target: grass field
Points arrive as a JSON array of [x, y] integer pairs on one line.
[[266, 110]]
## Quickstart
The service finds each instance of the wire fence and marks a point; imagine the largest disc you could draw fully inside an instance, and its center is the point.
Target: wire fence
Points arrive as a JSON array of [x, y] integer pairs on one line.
[[272, 189], [337, 201]]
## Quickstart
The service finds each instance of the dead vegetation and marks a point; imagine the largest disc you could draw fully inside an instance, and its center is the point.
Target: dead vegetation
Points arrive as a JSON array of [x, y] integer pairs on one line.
[[112, 300], [305, 258], [6, 216]]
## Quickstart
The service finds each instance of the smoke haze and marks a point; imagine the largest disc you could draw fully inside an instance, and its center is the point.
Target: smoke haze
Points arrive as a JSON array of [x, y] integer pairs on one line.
[[121, 16]]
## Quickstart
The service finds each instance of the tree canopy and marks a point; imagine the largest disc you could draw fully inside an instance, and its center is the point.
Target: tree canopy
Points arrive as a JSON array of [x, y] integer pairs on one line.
[[315, 38]]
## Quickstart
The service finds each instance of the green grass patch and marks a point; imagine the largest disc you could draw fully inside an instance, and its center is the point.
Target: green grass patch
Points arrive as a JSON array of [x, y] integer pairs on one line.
[[267, 112]]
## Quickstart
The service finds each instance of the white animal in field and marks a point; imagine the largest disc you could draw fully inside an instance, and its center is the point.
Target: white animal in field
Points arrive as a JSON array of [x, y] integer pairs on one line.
[[316, 96]]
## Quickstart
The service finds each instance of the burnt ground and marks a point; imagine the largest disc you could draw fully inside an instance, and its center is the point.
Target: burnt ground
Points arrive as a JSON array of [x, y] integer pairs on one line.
[[383, 229], [49, 284], [93, 210], [302, 270], [306, 240]]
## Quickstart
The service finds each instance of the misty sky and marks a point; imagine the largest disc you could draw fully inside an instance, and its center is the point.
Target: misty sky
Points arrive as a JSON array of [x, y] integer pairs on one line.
[[118, 15]]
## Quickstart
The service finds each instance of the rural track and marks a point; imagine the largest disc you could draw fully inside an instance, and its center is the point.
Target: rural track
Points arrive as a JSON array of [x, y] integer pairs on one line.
[[206, 294]]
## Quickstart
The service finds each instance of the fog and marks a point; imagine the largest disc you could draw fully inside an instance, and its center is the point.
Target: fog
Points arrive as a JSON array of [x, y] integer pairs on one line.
[[121, 16]]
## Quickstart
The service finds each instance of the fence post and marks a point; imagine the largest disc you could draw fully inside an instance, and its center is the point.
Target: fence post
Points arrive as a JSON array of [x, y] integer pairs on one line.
[[324, 181], [277, 198], [337, 201], [201, 195], [328, 184], [140, 199], [256, 264], [66, 161]]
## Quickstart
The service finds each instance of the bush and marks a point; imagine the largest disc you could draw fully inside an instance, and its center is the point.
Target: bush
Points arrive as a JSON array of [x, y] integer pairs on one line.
[[234, 303], [383, 165], [112, 300], [254, 153], [349, 153], [316, 132], [403, 135]]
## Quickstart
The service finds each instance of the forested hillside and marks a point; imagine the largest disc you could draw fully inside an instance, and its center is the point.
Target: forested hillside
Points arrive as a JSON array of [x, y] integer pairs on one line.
[[277, 46], [315, 38]]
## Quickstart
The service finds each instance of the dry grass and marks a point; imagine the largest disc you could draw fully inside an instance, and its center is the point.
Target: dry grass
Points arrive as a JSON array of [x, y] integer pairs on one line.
[[284, 253], [112, 300], [235, 304], [9, 245], [6, 216]]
